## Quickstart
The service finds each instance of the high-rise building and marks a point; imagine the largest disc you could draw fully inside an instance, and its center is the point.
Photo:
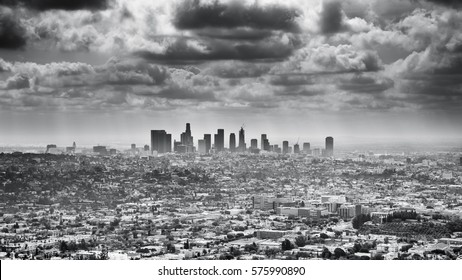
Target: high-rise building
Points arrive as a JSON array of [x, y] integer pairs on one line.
[[460, 161], [186, 140], [220, 140], [296, 149], [329, 146], [201, 146], [168, 144], [254, 144], [232, 142], [306, 148], [100, 150], [285, 147], [133, 147], [208, 142], [266, 145], [262, 143], [146, 148], [161, 141], [242, 145]]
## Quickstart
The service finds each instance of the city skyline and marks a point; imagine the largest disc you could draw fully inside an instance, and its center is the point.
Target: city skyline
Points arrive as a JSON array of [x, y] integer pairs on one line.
[[116, 68], [161, 142]]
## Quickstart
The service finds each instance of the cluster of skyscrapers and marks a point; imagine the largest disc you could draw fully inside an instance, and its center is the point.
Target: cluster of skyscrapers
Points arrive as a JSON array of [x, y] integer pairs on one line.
[[161, 142]]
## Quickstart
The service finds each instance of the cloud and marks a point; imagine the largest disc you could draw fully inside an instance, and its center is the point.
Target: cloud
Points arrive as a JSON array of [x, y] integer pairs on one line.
[[291, 80], [198, 14], [176, 92], [365, 84], [188, 50], [114, 72], [134, 72], [18, 81], [330, 59], [331, 20], [236, 69], [5, 66], [69, 5], [448, 3], [12, 33]]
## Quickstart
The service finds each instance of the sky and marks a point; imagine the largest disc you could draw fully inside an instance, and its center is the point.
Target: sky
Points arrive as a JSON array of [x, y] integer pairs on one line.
[[108, 71]]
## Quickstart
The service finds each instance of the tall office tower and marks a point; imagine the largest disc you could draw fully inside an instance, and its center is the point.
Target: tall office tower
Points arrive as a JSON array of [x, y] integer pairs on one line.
[[133, 147], [208, 142], [296, 149], [201, 146], [161, 141], [285, 147], [220, 140], [232, 142], [276, 148], [146, 148], [74, 146], [306, 148], [254, 144], [329, 146], [266, 145], [242, 146], [168, 143], [460, 163], [187, 140], [262, 143]]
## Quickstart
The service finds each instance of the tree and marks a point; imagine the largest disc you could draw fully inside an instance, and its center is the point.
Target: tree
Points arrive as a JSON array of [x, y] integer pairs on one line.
[[170, 248], [359, 220], [251, 247], [271, 252], [300, 241], [287, 245], [323, 235], [63, 246], [326, 254], [338, 252]]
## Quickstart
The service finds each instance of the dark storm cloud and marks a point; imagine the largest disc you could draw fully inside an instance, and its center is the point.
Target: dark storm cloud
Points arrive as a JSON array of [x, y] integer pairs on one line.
[[434, 85], [235, 34], [70, 5], [182, 52], [448, 3], [197, 15], [332, 18], [365, 84], [12, 34]]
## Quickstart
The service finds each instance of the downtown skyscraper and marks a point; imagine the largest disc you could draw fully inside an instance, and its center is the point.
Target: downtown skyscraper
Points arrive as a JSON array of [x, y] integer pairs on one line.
[[161, 142], [329, 146]]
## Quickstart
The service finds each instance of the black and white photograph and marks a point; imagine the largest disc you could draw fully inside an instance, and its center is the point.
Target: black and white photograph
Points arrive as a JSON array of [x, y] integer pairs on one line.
[[211, 130]]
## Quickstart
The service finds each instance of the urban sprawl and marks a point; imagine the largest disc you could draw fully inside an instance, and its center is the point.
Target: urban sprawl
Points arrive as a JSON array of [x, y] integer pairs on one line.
[[259, 202]]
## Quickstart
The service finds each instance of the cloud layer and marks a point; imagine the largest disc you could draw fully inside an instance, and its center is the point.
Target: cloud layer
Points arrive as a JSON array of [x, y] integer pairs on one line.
[[325, 56]]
